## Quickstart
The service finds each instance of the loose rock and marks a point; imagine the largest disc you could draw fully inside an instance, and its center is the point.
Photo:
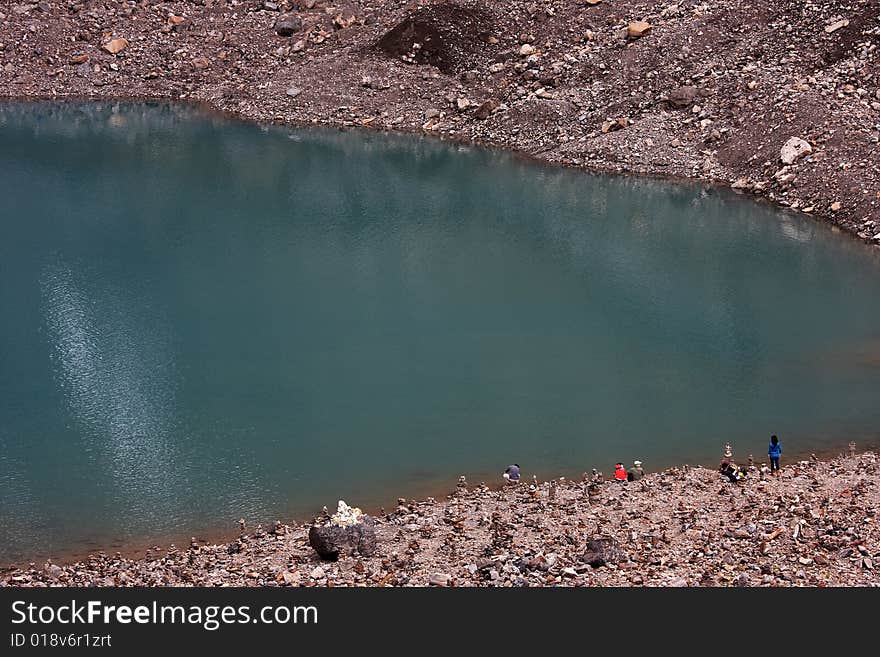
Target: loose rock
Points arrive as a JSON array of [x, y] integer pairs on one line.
[[288, 25], [116, 46], [637, 29], [794, 149]]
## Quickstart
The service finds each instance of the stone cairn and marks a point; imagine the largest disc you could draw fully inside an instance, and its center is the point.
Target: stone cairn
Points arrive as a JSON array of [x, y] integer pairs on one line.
[[348, 531]]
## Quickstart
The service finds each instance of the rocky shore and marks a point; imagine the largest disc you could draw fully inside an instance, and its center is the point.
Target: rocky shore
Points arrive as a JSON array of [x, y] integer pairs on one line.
[[777, 99], [815, 525], [780, 100]]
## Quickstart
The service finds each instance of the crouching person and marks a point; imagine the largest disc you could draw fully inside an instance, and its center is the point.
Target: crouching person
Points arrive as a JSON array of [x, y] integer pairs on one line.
[[732, 471]]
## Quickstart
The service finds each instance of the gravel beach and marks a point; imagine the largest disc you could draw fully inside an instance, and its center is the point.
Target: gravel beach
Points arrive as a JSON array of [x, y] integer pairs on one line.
[[815, 525]]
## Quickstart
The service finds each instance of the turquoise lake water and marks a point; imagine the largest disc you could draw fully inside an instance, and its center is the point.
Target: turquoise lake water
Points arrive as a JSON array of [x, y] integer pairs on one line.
[[204, 320]]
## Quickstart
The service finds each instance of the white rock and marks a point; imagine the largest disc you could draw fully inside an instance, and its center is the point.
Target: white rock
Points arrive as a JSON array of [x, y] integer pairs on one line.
[[439, 579], [794, 149], [836, 26], [54, 571], [346, 515]]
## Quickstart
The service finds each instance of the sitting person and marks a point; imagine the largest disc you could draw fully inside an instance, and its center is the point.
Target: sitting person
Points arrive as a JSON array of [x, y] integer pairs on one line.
[[731, 470], [619, 472], [511, 474], [636, 472]]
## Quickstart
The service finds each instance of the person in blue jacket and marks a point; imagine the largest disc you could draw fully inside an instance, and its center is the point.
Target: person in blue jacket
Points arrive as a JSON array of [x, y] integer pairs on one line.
[[774, 451]]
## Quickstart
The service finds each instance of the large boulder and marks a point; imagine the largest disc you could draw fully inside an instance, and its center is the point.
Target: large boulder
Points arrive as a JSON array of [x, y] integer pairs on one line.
[[602, 551], [331, 540]]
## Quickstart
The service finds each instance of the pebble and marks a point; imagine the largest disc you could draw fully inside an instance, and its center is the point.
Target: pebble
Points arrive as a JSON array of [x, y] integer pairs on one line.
[[115, 46], [54, 571], [439, 579], [637, 29], [833, 27]]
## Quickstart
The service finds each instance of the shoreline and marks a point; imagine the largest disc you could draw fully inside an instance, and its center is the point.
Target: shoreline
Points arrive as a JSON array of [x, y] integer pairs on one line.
[[143, 548], [818, 524], [597, 170], [295, 124], [226, 58]]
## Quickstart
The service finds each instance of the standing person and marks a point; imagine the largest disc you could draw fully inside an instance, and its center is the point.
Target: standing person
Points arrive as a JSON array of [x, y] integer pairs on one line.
[[619, 472], [774, 451], [511, 473]]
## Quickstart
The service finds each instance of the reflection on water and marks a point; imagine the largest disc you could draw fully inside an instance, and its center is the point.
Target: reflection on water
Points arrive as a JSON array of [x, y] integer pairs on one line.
[[117, 372], [206, 320]]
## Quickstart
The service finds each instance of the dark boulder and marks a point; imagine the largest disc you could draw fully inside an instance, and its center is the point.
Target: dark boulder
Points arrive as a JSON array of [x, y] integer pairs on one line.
[[332, 540], [288, 25], [453, 37], [602, 551]]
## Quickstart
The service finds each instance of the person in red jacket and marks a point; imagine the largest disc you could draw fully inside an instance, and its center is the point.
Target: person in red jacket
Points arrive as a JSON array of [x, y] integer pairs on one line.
[[619, 472]]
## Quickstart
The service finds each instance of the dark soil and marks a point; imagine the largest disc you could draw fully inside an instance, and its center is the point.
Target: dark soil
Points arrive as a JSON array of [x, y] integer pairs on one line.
[[448, 36]]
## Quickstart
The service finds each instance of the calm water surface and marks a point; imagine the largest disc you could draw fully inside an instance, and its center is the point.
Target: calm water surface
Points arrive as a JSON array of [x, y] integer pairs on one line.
[[204, 320]]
